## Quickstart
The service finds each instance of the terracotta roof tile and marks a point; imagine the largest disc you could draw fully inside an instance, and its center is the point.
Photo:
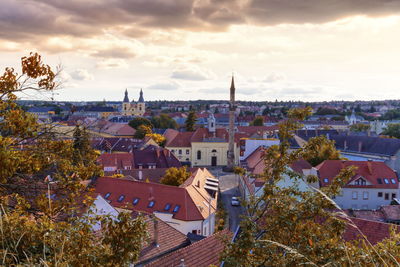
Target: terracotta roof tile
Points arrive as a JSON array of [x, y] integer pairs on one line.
[[200, 254], [372, 171], [147, 192]]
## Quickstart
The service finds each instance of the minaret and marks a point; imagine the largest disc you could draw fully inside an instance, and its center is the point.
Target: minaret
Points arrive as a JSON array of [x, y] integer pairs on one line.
[[232, 108]]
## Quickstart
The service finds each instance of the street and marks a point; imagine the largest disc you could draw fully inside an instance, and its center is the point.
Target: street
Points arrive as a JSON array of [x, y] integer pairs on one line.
[[228, 184]]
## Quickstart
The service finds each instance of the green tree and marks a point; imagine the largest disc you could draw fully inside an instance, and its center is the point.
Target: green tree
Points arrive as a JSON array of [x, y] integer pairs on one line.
[[392, 130], [37, 229], [138, 121], [191, 121], [175, 176], [320, 148], [163, 122], [142, 131], [359, 127], [287, 226], [258, 121]]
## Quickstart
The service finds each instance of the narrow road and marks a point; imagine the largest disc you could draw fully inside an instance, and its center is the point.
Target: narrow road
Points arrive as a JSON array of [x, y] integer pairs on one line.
[[228, 184]]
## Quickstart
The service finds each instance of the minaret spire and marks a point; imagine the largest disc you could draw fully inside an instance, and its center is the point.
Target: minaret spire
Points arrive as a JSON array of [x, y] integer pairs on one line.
[[232, 108]]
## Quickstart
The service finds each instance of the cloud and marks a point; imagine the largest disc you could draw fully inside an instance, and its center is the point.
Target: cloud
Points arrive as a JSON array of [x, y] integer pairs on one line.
[[274, 77], [82, 75], [192, 73], [114, 53], [165, 86], [112, 64]]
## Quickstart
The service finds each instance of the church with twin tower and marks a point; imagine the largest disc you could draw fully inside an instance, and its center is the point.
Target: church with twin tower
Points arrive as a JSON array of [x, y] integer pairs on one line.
[[133, 108]]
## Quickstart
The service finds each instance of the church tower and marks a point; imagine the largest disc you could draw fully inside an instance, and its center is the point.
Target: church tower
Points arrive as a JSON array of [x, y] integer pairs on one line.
[[211, 123], [141, 106], [125, 104], [232, 108]]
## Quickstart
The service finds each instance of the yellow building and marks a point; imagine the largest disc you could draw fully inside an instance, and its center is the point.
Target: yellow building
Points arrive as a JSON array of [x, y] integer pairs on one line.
[[133, 108], [203, 147]]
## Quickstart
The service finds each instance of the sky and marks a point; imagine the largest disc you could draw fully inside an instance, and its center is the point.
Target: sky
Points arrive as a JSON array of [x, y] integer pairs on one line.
[[309, 50]]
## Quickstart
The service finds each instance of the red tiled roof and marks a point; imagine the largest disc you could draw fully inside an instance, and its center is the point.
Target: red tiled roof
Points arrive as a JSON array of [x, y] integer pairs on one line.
[[146, 192], [374, 231], [203, 253], [254, 129], [181, 139], [370, 170], [300, 165], [118, 160], [169, 239], [153, 155]]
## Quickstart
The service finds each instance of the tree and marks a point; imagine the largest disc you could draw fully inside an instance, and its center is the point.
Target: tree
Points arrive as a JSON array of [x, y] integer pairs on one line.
[[287, 226], [142, 131], [392, 130], [138, 121], [359, 127], [258, 121], [191, 121], [163, 122], [158, 138], [320, 148], [175, 176], [37, 228]]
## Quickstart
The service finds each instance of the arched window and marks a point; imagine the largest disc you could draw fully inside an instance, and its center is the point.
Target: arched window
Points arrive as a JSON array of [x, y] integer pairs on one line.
[[198, 154], [214, 150]]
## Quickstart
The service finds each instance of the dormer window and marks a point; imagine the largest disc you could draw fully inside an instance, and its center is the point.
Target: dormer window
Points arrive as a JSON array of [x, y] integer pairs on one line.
[[167, 207], [151, 204], [360, 182], [121, 197], [326, 180], [106, 196], [393, 181], [176, 209], [386, 180], [135, 201], [379, 181]]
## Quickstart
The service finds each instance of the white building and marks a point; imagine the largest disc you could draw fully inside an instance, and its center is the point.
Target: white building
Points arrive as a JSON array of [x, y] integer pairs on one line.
[[188, 208], [373, 185]]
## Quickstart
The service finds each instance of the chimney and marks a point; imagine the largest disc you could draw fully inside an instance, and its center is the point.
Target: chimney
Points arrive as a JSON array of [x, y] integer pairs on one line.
[[158, 153], [140, 175], [155, 224], [369, 165], [359, 146], [182, 263]]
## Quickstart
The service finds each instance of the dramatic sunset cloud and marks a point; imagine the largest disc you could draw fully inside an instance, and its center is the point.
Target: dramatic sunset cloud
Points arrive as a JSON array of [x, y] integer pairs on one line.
[[278, 49]]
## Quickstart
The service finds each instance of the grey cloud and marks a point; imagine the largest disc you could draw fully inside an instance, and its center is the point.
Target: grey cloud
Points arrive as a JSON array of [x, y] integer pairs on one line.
[[81, 75], [33, 19], [116, 52]]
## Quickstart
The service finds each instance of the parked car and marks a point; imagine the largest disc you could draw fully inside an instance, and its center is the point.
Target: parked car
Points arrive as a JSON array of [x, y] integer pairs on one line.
[[235, 201]]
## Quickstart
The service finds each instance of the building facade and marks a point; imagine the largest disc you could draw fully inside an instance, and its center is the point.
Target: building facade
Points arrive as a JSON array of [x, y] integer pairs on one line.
[[133, 108]]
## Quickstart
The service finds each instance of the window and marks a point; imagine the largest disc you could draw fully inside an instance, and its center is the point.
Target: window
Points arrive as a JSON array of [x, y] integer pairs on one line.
[[360, 182], [354, 195], [393, 181], [393, 195], [386, 196], [135, 201], [167, 207], [365, 195], [326, 180], [107, 195], [180, 151], [386, 180], [187, 152], [379, 181], [121, 197], [151, 204], [214, 151], [176, 209], [380, 194], [172, 151], [198, 154]]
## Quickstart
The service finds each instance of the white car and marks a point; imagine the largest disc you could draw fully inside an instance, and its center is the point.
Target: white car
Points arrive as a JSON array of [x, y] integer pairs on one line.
[[235, 201]]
